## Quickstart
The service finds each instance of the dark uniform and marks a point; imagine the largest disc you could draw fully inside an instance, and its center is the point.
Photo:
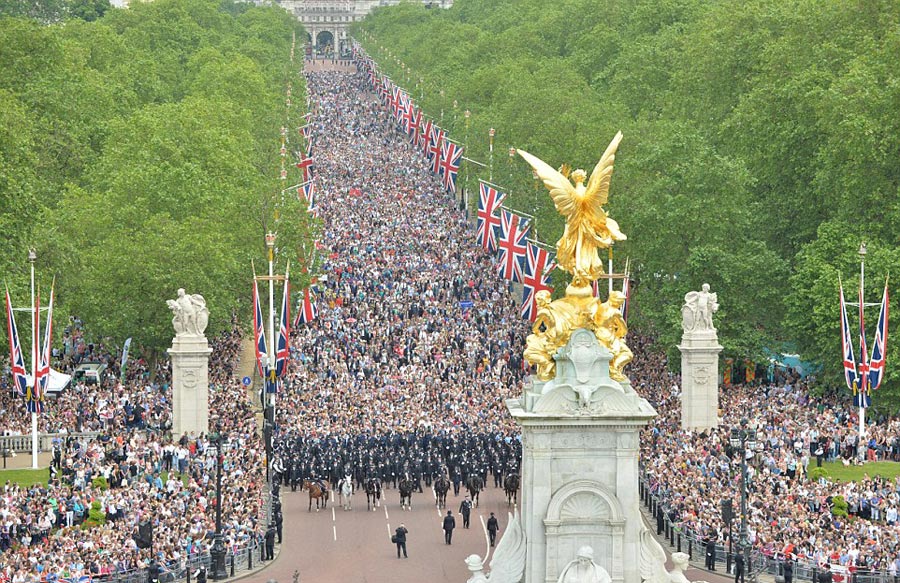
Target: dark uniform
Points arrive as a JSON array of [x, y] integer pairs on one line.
[[400, 537], [449, 525], [465, 508], [493, 526]]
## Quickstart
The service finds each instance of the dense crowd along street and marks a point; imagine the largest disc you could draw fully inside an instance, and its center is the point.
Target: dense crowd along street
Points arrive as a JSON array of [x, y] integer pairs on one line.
[[396, 376]]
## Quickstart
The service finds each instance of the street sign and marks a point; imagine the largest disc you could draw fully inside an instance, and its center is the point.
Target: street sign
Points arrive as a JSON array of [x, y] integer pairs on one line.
[[246, 381]]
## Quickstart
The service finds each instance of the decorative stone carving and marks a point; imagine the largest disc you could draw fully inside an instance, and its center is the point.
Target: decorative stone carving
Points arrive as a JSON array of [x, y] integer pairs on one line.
[[698, 308], [699, 361], [583, 385], [508, 564], [583, 569], [191, 315], [653, 559], [680, 560]]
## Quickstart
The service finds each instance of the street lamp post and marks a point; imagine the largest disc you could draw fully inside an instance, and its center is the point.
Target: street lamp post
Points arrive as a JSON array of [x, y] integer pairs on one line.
[[744, 440], [217, 553]]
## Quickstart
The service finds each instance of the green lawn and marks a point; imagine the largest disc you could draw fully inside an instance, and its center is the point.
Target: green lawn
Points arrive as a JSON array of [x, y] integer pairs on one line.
[[25, 477], [837, 471]]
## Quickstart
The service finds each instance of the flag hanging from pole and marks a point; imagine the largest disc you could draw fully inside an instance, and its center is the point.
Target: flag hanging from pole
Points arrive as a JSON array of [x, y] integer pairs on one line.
[[307, 312], [282, 352], [488, 224], [259, 333], [847, 347], [42, 377], [20, 381], [863, 398], [879, 348], [535, 278]]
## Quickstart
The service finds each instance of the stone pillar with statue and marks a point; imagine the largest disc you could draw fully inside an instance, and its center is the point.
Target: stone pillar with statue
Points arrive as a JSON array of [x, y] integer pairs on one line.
[[699, 361], [580, 417], [190, 364]]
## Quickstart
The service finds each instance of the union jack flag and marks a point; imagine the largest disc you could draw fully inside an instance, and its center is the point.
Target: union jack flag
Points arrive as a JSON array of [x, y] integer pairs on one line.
[[282, 351], [488, 223], [451, 157], [425, 139], [436, 141], [863, 355], [414, 127], [308, 311], [36, 404], [512, 246], [847, 347], [259, 334], [879, 349], [536, 278], [20, 381]]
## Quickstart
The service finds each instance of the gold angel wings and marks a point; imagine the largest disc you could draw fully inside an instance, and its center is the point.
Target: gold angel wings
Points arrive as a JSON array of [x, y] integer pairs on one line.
[[588, 226]]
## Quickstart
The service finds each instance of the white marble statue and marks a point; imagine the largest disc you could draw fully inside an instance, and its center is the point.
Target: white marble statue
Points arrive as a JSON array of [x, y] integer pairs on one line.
[[698, 308], [508, 563], [191, 314], [583, 569], [653, 559], [680, 560]]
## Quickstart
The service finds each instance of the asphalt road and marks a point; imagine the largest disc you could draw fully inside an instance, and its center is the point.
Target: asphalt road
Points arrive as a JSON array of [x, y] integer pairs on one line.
[[337, 545]]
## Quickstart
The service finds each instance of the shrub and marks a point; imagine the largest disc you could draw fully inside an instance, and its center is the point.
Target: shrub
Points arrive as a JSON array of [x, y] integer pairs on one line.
[[839, 506], [817, 473], [100, 482]]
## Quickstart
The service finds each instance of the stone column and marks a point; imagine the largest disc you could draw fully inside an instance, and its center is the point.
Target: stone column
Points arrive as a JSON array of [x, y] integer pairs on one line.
[[699, 361], [699, 380], [580, 436], [190, 384]]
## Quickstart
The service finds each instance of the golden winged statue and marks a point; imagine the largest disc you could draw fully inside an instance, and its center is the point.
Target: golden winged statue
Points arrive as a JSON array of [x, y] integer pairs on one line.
[[588, 226], [588, 229]]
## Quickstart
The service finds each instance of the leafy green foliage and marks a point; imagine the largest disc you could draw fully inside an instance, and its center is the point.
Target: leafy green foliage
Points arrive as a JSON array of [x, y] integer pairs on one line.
[[144, 142], [756, 134]]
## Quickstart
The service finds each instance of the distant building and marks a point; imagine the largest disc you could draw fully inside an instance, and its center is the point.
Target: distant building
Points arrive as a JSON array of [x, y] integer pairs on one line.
[[327, 21]]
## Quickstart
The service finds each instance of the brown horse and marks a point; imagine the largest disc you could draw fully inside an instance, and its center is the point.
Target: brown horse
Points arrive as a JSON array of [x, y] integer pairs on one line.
[[316, 491]]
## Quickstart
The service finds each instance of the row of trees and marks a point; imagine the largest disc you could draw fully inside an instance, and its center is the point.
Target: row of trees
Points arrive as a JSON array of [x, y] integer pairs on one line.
[[139, 153], [761, 141]]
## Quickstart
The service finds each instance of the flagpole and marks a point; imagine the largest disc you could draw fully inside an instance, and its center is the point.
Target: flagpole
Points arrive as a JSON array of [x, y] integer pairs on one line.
[[270, 245], [32, 257], [864, 383]]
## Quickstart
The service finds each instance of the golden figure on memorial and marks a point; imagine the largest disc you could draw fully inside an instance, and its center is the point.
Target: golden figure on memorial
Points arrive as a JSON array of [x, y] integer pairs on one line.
[[588, 229]]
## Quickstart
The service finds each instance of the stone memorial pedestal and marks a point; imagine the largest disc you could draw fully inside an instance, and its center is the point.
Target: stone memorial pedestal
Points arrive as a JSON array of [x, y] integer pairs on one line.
[[580, 437], [190, 364], [699, 380], [699, 361], [190, 384]]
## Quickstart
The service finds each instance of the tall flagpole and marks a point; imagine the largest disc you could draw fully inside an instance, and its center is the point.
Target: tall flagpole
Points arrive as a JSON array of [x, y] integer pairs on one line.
[[32, 257], [863, 357], [273, 348]]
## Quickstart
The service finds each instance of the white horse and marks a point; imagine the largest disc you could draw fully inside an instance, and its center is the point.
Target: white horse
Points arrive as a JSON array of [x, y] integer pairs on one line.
[[345, 485]]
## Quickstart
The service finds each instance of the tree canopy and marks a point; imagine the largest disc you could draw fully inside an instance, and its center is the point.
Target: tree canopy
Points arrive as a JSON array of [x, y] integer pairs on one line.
[[139, 153], [760, 144]]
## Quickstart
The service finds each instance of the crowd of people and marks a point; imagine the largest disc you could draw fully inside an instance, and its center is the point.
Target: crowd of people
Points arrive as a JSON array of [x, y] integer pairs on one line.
[[791, 512], [416, 346], [85, 522], [417, 342]]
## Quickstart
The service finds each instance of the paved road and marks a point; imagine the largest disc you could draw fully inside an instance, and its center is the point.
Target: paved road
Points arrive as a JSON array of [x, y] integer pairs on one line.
[[334, 545]]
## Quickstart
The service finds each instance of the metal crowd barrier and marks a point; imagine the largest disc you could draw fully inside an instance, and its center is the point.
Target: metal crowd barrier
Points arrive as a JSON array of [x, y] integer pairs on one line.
[[686, 541]]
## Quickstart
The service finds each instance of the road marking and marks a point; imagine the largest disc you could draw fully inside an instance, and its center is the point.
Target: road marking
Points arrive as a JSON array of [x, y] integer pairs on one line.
[[389, 530], [335, 532], [385, 511], [332, 514], [487, 540]]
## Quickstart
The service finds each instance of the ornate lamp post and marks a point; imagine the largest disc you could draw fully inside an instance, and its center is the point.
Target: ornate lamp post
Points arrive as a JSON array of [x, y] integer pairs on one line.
[[743, 439], [217, 553]]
